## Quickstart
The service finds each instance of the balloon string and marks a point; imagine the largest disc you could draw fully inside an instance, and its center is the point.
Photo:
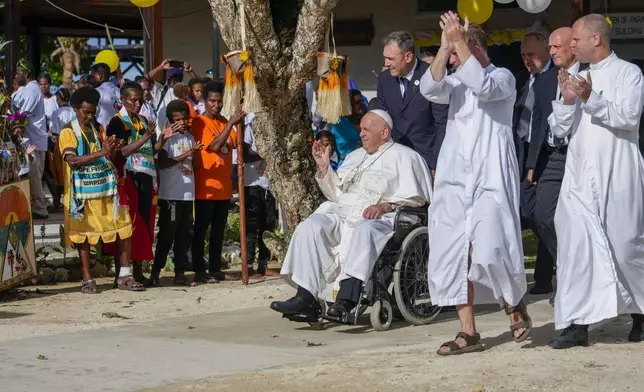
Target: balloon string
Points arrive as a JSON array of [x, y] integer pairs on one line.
[[109, 37], [83, 19]]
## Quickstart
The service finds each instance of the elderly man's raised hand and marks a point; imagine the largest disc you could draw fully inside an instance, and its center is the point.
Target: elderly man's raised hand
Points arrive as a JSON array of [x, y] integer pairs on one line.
[[322, 156]]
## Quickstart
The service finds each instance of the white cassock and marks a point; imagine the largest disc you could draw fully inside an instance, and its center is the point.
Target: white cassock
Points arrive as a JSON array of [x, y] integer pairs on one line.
[[476, 190], [600, 213], [335, 241]]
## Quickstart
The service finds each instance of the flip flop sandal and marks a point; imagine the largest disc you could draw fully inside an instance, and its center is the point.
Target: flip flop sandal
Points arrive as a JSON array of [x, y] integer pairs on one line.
[[472, 344], [525, 323], [89, 287], [128, 283]]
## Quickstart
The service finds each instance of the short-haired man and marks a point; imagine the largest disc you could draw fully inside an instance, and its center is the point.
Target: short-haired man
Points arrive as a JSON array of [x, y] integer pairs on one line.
[[418, 123], [474, 231], [536, 58], [29, 100], [600, 212], [346, 234], [110, 102]]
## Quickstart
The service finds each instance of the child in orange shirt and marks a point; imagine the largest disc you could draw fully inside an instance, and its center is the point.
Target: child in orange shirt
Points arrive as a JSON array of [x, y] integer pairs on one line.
[[213, 185]]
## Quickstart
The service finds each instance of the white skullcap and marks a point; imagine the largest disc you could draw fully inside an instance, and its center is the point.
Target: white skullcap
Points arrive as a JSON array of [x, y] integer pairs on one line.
[[385, 116]]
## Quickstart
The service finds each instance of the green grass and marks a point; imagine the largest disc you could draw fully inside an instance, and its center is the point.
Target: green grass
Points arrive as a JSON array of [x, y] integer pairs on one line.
[[530, 243]]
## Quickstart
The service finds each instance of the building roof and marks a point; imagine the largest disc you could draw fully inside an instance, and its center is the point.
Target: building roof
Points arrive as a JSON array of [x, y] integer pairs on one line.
[[44, 14]]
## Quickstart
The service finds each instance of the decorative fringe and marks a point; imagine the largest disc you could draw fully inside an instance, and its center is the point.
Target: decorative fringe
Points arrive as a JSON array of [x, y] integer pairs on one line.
[[252, 103], [232, 92], [329, 98]]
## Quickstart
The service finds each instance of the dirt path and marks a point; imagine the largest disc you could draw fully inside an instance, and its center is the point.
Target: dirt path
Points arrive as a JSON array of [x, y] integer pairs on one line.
[[62, 308]]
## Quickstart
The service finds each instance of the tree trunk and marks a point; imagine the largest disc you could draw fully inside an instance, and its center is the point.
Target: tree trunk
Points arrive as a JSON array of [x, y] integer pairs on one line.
[[283, 62], [68, 69]]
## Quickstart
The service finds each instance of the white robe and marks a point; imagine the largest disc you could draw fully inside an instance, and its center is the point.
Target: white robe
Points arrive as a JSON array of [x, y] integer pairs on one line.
[[336, 236], [600, 213], [476, 190]]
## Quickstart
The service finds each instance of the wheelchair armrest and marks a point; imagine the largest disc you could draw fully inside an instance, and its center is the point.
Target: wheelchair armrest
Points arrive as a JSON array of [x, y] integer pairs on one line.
[[414, 210]]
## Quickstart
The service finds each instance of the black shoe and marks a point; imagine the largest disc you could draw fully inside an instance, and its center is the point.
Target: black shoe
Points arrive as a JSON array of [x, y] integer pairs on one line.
[[295, 305], [637, 332], [574, 335], [220, 276], [340, 309], [541, 289]]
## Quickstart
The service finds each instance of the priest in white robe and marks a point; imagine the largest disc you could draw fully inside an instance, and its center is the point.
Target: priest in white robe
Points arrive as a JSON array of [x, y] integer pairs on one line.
[[476, 252], [345, 235], [600, 212]]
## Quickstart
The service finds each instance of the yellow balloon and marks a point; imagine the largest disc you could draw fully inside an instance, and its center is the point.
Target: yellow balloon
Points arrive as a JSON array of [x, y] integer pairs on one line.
[[108, 57], [476, 11], [144, 3]]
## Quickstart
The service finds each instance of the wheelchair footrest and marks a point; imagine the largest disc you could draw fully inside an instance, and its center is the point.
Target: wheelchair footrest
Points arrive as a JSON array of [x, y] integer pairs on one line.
[[301, 318], [350, 318]]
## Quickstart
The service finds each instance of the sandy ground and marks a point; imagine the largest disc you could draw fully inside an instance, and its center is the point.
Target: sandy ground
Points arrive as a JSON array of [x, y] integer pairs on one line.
[[63, 308], [610, 364]]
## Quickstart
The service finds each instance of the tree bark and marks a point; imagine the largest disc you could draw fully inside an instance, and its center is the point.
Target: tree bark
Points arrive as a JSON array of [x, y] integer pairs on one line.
[[68, 69], [282, 70]]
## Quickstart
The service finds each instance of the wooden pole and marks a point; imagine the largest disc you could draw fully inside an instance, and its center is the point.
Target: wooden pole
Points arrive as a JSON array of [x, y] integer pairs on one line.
[[12, 33], [242, 201]]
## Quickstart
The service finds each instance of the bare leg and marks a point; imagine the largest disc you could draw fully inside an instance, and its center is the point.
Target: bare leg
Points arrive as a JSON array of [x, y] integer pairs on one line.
[[466, 312], [83, 252], [124, 247], [516, 318]]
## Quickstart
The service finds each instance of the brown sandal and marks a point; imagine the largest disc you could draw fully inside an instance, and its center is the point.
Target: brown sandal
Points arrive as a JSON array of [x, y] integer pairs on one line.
[[526, 323], [128, 283], [472, 344], [89, 287]]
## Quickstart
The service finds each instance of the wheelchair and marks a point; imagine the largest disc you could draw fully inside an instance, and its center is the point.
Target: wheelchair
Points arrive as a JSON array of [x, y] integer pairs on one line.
[[397, 288]]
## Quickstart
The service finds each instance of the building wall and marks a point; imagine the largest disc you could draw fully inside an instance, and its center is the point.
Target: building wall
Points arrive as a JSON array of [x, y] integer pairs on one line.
[[188, 37]]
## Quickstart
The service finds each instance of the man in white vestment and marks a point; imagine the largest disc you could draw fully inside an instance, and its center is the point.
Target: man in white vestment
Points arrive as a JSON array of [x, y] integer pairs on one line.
[[600, 212], [476, 253], [346, 234]]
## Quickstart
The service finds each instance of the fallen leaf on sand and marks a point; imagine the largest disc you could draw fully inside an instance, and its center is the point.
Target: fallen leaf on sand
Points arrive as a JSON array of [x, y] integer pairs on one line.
[[275, 336], [191, 327], [114, 315], [198, 300], [269, 297], [311, 344], [478, 389], [42, 357]]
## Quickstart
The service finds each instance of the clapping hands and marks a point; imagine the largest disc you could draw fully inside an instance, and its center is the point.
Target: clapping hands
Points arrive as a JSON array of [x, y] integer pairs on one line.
[[453, 31]]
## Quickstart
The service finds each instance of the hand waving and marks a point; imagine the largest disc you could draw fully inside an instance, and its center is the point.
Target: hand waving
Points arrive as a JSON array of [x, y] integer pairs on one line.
[[452, 30], [321, 155], [197, 146]]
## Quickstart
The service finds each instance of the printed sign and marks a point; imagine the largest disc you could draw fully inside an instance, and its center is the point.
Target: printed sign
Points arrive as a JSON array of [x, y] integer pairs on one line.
[[628, 25]]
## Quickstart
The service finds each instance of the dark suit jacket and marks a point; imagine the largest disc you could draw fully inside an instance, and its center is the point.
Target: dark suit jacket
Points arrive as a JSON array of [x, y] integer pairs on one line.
[[418, 123], [523, 87], [545, 91]]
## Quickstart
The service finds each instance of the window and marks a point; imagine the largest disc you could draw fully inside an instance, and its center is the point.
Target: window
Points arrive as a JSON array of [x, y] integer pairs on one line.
[[450, 5]]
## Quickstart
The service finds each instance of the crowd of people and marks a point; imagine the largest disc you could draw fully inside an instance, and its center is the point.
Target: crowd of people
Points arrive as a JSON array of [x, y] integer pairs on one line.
[[119, 152], [557, 153]]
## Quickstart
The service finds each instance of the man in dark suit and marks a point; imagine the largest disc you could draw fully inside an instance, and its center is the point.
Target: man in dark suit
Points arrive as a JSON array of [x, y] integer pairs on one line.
[[534, 51], [547, 154], [418, 123]]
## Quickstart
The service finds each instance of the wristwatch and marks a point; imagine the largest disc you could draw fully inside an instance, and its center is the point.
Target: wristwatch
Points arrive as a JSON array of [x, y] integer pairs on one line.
[[393, 207]]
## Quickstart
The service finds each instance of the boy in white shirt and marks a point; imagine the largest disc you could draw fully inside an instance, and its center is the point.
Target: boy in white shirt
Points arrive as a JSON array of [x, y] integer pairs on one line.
[[176, 192]]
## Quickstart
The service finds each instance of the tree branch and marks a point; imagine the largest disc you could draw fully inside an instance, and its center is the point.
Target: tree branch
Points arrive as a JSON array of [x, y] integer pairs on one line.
[[260, 35], [309, 37], [225, 13]]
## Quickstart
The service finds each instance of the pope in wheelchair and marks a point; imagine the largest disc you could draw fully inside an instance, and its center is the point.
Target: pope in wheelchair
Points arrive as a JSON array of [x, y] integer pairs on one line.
[[341, 242]]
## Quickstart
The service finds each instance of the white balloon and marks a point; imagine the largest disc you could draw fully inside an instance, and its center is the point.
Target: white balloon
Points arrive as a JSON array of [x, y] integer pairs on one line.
[[534, 6], [504, 1]]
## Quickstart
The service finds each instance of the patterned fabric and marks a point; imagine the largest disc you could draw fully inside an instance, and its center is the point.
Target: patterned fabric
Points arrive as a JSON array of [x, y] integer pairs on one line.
[[96, 180], [141, 161]]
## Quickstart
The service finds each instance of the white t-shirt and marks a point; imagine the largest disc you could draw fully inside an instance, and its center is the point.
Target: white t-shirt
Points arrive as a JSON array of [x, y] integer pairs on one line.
[[254, 172], [30, 100], [60, 118], [109, 104], [51, 104], [178, 182]]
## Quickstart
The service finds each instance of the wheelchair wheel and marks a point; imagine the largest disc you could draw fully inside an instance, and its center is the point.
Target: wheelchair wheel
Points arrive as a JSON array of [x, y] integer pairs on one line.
[[381, 315], [410, 279]]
